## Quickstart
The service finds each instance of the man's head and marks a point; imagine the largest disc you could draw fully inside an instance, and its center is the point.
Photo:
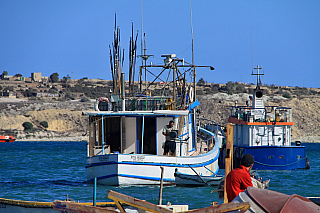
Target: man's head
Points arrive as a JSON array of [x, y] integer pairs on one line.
[[247, 160], [171, 124]]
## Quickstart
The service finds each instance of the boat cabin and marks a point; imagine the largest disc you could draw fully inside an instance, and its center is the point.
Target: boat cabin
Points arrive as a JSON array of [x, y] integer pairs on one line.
[[260, 125], [139, 131]]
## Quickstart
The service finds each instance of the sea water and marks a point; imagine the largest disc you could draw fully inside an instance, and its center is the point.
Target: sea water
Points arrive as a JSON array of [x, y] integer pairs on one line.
[[48, 171]]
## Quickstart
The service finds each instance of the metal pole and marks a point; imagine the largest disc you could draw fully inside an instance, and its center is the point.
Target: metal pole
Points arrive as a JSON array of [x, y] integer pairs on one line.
[[145, 57], [161, 185], [142, 134], [95, 192], [123, 93], [141, 47], [180, 140], [194, 68], [194, 84], [174, 84], [140, 77], [102, 135], [194, 129]]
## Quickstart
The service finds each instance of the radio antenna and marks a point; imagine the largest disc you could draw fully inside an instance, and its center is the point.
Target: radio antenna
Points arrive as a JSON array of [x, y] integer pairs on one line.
[[251, 50]]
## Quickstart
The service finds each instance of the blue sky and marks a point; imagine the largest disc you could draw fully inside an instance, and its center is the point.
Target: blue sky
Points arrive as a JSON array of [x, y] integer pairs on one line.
[[74, 35]]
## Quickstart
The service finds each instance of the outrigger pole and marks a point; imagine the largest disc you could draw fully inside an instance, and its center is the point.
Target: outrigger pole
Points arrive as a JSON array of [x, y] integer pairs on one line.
[[116, 61], [132, 59]]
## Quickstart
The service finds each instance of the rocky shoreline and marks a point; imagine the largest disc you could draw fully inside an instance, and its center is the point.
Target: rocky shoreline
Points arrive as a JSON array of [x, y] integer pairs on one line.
[[60, 139], [45, 135], [66, 122]]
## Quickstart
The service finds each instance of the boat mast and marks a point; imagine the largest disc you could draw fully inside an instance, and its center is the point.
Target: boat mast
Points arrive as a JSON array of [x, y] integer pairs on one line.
[[257, 99], [258, 75], [194, 68], [140, 74]]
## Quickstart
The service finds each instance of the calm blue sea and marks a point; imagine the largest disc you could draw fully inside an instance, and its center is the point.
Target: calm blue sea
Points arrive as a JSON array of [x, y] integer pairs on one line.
[[45, 171]]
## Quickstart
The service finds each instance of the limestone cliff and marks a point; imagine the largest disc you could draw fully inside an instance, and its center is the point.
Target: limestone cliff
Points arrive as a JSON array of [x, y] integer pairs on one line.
[[66, 119], [63, 118]]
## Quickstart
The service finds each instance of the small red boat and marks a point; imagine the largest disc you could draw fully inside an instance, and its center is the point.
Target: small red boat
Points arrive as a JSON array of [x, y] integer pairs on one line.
[[6, 138]]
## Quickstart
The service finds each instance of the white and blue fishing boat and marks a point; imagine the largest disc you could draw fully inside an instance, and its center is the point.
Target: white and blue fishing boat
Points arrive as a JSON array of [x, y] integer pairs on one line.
[[125, 147], [125, 143], [265, 132]]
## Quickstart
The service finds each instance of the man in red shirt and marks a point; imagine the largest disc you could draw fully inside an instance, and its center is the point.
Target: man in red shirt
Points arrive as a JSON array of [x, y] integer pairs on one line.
[[239, 179]]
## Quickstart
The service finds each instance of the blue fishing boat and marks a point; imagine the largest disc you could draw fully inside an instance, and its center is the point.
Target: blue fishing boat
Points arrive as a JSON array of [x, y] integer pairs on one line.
[[265, 132]]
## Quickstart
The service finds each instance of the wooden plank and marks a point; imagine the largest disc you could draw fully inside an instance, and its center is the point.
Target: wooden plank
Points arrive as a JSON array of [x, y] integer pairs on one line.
[[227, 207], [44, 204], [64, 206], [229, 157], [25, 203], [141, 204], [119, 206]]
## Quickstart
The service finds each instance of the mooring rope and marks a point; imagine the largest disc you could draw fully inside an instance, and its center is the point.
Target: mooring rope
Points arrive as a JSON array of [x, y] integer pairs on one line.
[[210, 171], [264, 164], [207, 184]]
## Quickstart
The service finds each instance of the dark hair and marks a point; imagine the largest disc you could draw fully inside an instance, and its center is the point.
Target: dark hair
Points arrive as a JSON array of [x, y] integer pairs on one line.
[[171, 122], [247, 160]]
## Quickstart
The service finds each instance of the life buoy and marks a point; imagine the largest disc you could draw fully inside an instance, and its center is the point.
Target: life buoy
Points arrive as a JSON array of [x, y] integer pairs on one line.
[[191, 94], [96, 104]]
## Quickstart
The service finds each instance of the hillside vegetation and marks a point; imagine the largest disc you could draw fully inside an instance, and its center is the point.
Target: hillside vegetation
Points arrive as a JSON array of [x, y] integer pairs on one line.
[[64, 117]]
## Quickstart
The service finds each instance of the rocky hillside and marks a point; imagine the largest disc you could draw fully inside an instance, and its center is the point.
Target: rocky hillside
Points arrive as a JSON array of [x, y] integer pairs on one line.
[[64, 119], [67, 123]]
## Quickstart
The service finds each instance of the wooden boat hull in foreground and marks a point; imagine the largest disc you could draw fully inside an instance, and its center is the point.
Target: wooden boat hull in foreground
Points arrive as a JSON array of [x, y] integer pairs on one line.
[[22, 206]]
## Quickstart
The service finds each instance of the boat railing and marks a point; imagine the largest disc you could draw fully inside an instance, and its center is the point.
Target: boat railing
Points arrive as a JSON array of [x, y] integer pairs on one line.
[[266, 114], [146, 103], [283, 114], [180, 143], [247, 114], [208, 137]]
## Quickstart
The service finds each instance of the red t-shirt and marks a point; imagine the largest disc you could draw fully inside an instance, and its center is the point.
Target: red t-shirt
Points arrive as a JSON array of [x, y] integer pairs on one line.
[[237, 181]]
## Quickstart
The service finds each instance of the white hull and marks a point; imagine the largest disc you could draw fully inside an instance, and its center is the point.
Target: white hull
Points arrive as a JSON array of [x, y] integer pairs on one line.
[[195, 180], [141, 169]]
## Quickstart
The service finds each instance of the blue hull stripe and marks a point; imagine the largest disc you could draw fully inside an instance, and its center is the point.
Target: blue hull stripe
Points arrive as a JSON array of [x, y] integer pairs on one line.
[[262, 147], [133, 176], [156, 164]]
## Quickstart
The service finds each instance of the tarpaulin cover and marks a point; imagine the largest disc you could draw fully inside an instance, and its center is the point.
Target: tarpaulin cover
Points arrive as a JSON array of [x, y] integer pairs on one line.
[[272, 201]]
